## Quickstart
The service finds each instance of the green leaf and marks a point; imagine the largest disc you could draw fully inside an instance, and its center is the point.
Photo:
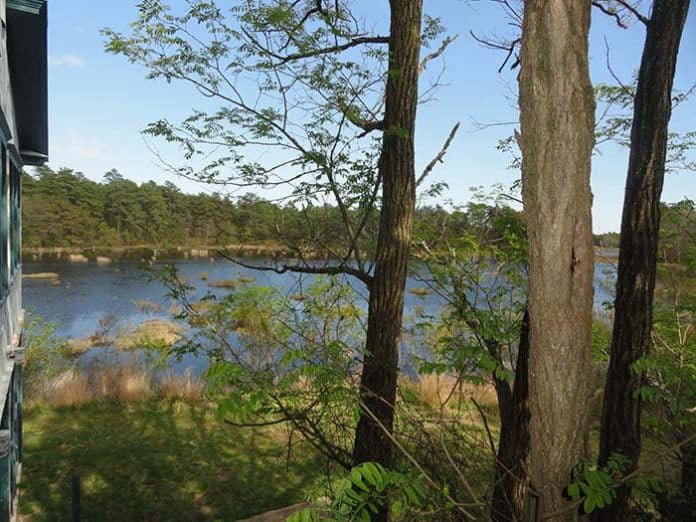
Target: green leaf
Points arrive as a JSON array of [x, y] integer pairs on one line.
[[574, 491], [589, 505]]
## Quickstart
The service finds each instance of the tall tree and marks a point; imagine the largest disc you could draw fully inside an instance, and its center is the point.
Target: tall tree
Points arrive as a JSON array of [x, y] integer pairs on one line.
[[307, 84], [557, 136], [640, 226], [397, 172]]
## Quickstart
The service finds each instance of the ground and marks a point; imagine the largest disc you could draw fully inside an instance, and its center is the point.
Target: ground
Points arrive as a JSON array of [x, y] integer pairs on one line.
[[156, 461]]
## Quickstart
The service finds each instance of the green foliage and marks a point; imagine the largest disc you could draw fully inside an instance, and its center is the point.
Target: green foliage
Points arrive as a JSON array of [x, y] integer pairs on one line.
[[280, 359], [601, 339], [367, 489], [482, 277], [293, 92], [678, 233], [595, 487], [669, 369], [273, 52], [46, 356], [64, 208], [614, 122]]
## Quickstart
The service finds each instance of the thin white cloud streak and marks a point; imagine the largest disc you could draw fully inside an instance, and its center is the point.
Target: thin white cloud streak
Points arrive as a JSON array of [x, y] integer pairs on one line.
[[67, 60]]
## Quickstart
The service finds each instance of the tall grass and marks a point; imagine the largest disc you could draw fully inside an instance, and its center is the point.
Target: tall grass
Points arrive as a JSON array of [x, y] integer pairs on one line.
[[184, 386], [444, 391], [128, 383], [70, 388]]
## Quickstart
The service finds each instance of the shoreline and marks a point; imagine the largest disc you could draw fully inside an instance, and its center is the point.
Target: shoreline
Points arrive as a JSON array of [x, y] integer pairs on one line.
[[105, 254]]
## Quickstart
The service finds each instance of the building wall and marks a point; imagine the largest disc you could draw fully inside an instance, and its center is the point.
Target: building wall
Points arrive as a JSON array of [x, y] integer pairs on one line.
[[7, 120], [11, 315]]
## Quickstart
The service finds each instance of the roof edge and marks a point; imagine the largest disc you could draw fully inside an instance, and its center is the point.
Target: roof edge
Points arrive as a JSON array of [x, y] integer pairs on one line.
[[32, 158], [28, 6]]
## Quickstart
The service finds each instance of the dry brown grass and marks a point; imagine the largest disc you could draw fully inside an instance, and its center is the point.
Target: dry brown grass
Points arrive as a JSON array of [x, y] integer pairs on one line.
[[127, 383], [437, 390], [154, 331], [147, 306], [222, 283], [199, 313], [41, 275], [70, 388], [181, 386], [80, 346], [419, 292]]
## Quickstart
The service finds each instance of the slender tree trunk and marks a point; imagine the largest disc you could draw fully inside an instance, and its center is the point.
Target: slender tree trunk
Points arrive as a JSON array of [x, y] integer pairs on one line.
[[640, 227], [507, 501], [397, 171], [557, 137], [687, 484]]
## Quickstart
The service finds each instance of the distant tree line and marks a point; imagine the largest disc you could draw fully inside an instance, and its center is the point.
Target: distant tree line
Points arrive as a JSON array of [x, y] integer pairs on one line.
[[65, 208], [677, 232]]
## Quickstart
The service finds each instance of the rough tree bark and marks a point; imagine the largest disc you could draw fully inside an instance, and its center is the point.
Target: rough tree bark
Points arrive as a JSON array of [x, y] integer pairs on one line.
[[557, 136], [640, 226], [397, 171], [507, 501]]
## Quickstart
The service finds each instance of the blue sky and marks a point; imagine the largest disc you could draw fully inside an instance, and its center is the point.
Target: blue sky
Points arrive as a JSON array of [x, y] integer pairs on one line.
[[98, 103]]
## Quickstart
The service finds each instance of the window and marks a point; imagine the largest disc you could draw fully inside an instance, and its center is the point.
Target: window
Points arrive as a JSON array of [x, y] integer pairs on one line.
[[15, 218], [4, 225]]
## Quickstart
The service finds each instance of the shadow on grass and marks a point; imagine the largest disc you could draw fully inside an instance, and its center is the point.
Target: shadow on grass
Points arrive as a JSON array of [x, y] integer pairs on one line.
[[156, 461]]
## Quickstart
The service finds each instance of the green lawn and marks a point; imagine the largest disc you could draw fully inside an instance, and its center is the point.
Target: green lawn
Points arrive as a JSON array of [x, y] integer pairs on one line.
[[156, 461]]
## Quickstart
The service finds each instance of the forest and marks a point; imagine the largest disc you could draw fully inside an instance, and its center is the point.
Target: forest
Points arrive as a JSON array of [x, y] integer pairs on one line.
[[64, 208], [508, 392]]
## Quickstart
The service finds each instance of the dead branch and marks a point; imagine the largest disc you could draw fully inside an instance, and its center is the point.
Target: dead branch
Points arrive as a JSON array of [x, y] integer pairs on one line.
[[437, 53], [440, 155], [282, 268]]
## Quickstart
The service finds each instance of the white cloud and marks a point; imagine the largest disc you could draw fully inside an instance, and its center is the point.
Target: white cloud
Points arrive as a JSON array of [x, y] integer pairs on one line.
[[67, 60]]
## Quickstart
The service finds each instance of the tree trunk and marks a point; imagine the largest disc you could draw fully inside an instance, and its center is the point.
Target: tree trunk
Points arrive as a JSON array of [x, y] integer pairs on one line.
[[687, 484], [386, 302], [507, 501], [557, 136], [640, 227]]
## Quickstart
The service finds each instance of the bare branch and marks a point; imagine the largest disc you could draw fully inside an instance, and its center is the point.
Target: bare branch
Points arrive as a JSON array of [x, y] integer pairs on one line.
[[491, 441], [354, 42], [509, 46], [513, 198], [437, 53], [440, 155], [626, 5], [614, 13], [625, 88], [282, 268], [611, 13]]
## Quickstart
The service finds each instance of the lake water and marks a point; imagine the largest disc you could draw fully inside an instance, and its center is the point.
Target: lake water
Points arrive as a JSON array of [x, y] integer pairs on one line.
[[89, 291]]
